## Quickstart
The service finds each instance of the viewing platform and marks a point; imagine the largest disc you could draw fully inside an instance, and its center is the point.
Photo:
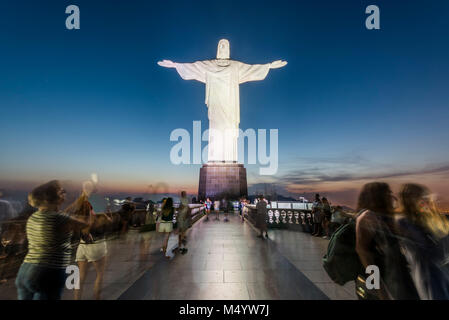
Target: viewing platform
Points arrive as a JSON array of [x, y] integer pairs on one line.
[[225, 260]]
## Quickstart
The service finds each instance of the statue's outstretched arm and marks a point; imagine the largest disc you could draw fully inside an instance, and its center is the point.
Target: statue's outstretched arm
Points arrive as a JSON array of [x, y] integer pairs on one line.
[[257, 72], [188, 71], [167, 64], [278, 64]]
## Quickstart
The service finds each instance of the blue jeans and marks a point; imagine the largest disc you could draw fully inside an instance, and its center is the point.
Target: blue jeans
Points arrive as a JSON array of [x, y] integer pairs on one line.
[[35, 282]]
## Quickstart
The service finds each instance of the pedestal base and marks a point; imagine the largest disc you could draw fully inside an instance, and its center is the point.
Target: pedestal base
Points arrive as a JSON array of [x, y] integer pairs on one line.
[[222, 180]]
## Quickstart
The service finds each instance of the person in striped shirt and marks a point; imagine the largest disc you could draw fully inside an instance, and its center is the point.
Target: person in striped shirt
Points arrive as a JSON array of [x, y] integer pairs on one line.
[[42, 274]]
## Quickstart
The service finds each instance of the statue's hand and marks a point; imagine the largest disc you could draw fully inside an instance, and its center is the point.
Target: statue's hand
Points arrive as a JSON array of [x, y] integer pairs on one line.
[[278, 64], [167, 64]]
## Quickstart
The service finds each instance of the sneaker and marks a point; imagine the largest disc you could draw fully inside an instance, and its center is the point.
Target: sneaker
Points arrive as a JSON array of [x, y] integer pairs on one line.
[[266, 236], [184, 250]]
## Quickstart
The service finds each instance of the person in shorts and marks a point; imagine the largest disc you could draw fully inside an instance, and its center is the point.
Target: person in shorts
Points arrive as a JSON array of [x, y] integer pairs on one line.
[[208, 205], [166, 222], [93, 249]]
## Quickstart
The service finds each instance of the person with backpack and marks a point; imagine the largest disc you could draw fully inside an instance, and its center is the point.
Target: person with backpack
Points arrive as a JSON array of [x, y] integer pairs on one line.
[[377, 245], [341, 261], [424, 235]]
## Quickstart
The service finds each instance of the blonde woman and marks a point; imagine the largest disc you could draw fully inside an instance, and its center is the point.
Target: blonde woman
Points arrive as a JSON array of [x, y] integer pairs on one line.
[[424, 241]]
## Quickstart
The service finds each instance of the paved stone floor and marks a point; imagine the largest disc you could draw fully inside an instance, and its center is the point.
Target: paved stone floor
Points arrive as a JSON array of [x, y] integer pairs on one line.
[[225, 261], [305, 253]]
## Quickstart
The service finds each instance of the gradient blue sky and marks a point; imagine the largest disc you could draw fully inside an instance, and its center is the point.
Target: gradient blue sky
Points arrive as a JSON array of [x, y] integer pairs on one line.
[[352, 105]]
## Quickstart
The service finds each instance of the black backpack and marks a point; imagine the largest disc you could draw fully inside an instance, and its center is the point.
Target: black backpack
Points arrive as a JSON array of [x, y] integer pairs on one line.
[[341, 261]]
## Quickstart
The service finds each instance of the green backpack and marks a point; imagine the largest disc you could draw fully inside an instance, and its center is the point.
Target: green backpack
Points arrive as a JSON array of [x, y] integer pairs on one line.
[[341, 261]]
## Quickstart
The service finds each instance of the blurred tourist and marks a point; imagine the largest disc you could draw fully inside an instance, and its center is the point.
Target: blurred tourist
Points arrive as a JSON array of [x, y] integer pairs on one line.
[[183, 219], [208, 205], [42, 275], [377, 245], [241, 206], [166, 222], [327, 215], [149, 219], [126, 212], [228, 208], [261, 217], [244, 209], [93, 248], [424, 241], [317, 216], [217, 209], [223, 207]]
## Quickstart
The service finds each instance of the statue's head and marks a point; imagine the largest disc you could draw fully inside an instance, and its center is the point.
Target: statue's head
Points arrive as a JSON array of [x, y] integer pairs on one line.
[[223, 51]]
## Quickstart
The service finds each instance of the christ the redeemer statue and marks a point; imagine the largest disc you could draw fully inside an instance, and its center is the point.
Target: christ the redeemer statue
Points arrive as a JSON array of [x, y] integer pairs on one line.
[[222, 77]]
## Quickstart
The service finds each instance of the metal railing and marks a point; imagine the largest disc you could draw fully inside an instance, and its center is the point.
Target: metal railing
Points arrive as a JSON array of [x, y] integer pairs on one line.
[[292, 219]]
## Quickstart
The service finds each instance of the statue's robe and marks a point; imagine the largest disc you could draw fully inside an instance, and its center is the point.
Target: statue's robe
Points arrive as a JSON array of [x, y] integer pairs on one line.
[[222, 79]]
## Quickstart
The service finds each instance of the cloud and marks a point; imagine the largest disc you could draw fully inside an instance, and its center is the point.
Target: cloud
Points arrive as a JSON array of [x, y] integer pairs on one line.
[[340, 178], [349, 167], [315, 175]]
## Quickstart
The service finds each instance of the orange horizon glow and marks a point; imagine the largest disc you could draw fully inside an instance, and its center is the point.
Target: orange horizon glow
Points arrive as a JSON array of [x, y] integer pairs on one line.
[[338, 192]]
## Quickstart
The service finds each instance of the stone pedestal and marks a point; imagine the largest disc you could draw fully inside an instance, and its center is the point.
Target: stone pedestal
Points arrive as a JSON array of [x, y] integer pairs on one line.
[[222, 179]]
